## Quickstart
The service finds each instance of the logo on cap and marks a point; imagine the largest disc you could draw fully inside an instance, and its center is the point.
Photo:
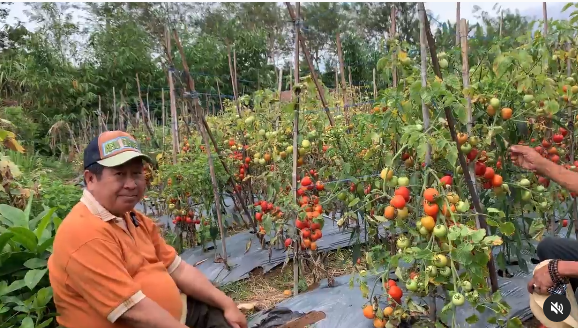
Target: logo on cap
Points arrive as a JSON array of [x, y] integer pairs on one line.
[[118, 145], [557, 308]]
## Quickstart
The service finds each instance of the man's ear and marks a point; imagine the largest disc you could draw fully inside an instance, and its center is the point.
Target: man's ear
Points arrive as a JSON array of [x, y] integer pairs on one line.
[[88, 177]]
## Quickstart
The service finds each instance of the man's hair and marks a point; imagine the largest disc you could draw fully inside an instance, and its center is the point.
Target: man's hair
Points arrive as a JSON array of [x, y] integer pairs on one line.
[[95, 169]]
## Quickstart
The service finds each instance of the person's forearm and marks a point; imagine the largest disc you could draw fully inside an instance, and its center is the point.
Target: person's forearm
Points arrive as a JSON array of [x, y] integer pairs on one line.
[[148, 314], [568, 269], [193, 282], [565, 178]]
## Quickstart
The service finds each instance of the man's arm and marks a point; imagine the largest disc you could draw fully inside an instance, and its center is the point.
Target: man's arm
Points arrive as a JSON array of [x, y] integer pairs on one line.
[[565, 178], [148, 314], [568, 269], [193, 282]]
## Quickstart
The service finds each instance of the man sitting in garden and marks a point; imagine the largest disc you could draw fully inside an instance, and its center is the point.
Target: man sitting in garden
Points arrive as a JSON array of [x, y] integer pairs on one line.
[[112, 268], [563, 251]]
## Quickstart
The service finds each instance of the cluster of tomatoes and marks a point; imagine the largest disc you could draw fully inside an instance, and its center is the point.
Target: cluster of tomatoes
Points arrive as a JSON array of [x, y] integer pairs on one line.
[[394, 298], [397, 208], [267, 208], [186, 147], [310, 226], [189, 218]]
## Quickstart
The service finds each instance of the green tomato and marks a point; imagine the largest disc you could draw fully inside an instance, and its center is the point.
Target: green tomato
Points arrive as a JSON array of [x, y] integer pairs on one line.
[[440, 260], [261, 132], [411, 285], [431, 271], [305, 144], [540, 188], [443, 63], [526, 195], [403, 181], [524, 182], [462, 207], [458, 299], [440, 231], [423, 231], [528, 98], [393, 182], [474, 141], [473, 296], [466, 285], [446, 271], [419, 127], [466, 148], [495, 102], [402, 242]]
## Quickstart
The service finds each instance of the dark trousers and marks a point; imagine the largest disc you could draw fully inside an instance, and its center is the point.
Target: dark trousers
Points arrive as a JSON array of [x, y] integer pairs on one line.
[[555, 248], [201, 315]]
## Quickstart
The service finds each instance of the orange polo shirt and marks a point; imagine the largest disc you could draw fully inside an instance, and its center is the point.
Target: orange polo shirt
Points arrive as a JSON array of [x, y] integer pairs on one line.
[[102, 265]]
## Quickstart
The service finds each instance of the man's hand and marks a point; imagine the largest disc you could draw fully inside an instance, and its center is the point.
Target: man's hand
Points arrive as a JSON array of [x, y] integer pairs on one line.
[[526, 157], [541, 281], [235, 317]]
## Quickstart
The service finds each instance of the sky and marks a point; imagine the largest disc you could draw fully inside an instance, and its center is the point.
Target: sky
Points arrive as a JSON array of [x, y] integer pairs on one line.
[[443, 10]]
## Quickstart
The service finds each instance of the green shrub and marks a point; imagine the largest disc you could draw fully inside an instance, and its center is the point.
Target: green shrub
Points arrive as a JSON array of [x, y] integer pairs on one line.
[[25, 245]]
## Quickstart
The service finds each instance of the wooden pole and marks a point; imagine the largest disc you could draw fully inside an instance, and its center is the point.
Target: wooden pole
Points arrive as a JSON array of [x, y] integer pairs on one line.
[[374, 84], [164, 118], [462, 160], [200, 120], [501, 22], [219, 94], [174, 118], [423, 55], [458, 18], [297, 243], [466, 83], [99, 117], [302, 43], [145, 116], [114, 113], [392, 31], [342, 70]]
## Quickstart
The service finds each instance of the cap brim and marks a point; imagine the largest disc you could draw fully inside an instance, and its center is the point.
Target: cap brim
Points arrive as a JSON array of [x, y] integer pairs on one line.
[[122, 158]]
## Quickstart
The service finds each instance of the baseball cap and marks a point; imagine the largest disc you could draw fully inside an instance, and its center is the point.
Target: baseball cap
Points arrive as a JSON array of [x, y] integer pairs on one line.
[[112, 148]]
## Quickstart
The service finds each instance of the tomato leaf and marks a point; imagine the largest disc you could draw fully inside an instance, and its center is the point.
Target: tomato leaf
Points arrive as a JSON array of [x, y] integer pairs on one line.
[[472, 319], [507, 228]]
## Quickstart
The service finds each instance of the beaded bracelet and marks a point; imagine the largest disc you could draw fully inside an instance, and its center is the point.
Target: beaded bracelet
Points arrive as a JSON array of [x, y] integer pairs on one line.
[[555, 275]]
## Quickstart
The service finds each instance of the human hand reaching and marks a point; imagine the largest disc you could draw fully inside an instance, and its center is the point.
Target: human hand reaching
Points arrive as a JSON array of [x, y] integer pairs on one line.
[[526, 157]]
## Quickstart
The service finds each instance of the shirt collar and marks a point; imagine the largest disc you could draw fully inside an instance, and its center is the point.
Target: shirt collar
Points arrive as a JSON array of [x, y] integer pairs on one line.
[[95, 208]]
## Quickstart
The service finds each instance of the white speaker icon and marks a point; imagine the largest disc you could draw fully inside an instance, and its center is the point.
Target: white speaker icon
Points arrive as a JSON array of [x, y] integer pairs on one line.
[[557, 308]]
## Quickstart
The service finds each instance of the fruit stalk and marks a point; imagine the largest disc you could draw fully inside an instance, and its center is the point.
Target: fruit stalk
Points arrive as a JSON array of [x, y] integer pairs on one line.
[[471, 188]]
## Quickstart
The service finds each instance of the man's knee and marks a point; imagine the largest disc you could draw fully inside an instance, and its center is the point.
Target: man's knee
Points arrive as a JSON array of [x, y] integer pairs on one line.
[[546, 249]]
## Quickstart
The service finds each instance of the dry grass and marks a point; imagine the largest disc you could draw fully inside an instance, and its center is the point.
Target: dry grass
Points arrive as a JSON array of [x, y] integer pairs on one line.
[[267, 290]]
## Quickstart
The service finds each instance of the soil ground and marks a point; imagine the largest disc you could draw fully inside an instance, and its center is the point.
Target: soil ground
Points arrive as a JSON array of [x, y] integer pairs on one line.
[[266, 290]]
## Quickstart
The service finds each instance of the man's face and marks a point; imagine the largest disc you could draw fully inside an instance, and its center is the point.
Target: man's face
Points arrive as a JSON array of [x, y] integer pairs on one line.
[[119, 188]]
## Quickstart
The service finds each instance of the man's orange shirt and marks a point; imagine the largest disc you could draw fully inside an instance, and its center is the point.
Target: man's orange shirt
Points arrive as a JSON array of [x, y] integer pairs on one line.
[[103, 265]]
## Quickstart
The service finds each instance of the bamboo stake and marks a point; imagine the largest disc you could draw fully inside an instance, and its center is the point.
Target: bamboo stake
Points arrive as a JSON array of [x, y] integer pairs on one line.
[[121, 123], [375, 85], [235, 74], [114, 113], [466, 83], [458, 18], [99, 118], [343, 84], [336, 82], [423, 55], [146, 122], [296, 244], [471, 188], [219, 94], [501, 23], [233, 83], [200, 119], [164, 117], [279, 90], [392, 36], [351, 87], [174, 118], [302, 43]]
